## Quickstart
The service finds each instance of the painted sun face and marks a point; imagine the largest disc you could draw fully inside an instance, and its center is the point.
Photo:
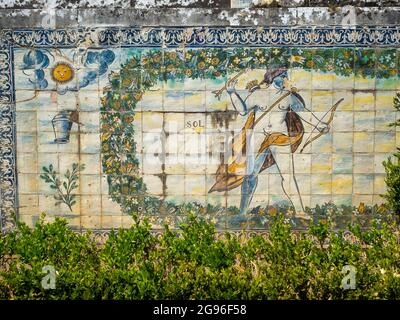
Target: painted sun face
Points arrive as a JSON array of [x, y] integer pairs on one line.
[[62, 72]]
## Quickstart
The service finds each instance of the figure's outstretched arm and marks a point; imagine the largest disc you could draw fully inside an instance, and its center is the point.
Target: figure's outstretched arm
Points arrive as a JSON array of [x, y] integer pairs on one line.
[[236, 99]]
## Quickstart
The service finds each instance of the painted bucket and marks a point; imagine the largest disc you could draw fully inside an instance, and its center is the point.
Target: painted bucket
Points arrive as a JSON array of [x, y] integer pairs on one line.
[[62, 127]]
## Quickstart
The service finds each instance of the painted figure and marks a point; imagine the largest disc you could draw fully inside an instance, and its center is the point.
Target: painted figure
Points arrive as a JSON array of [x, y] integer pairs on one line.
[[269, 132]]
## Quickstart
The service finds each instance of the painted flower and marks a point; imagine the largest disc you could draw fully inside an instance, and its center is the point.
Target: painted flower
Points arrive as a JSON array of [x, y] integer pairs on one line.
[[276, 51], [310, 63], [296, 59], [105, 136], [201, 65], [117, 105], [258, 52], [105, 147], [329, 67], [236, 60], [128, 145], [157, 58], [346, 54], [105, 126], [214, 61], [262, 59], [128, 119], [172, 55], [188, 72], [126, 82], [145, 61]]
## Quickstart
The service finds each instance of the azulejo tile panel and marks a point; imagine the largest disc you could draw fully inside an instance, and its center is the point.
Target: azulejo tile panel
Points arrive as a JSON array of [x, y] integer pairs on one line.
[[235, 123]]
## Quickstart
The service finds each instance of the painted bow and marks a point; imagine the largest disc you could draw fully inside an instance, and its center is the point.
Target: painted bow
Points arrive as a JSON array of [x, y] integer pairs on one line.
[[332, 111]]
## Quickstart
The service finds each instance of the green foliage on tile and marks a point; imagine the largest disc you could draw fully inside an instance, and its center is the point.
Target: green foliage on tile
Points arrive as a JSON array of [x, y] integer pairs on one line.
[[192, 263], [63, 188], [261, 217]]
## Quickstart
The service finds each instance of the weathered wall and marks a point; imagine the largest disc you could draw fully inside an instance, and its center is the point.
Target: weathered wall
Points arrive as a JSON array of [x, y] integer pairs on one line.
[[118, 99], [26, 13]]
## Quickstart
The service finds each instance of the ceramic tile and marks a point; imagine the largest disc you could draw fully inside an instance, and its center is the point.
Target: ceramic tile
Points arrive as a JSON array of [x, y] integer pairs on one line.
[[134, 123]]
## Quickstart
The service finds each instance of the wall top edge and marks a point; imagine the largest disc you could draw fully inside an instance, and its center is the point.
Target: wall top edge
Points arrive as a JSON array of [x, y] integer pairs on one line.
[[302, 16], [153, 4]]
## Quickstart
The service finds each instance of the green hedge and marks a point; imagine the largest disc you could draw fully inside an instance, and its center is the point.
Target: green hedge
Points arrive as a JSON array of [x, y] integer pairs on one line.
[[192, 263]]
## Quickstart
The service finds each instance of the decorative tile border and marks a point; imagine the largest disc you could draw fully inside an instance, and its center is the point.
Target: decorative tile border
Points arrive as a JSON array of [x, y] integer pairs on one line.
[[153, 37], [206, 37], [8, 192]]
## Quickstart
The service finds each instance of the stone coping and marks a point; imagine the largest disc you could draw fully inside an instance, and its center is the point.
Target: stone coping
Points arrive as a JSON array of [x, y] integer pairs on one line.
[[300, 16]]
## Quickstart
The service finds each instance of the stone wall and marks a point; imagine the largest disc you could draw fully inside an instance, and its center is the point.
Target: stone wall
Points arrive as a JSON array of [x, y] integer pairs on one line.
[[131, 104]]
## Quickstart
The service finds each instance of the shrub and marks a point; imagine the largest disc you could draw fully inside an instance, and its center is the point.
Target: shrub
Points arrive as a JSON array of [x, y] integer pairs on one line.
[[392, 169], [392, 181], [193, 263]]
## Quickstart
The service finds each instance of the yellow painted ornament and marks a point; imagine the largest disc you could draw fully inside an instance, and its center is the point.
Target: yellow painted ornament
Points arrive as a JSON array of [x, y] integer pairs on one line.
[[62, 72]]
